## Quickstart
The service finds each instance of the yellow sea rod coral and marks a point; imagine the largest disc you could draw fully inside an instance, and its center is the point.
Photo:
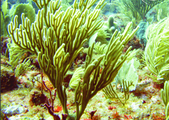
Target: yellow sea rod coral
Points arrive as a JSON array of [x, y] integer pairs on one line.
[[57, 37]]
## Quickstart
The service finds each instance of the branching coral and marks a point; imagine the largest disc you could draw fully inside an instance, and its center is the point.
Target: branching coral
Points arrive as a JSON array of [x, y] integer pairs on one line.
[[113, 59], [58, 42]]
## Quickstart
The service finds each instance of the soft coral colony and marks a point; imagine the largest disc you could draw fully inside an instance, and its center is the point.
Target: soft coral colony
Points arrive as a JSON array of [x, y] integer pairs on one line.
[[57, 37], [157, 56]]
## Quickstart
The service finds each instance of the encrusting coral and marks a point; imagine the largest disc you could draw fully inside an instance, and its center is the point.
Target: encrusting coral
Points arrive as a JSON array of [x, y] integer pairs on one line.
[[58, 42]]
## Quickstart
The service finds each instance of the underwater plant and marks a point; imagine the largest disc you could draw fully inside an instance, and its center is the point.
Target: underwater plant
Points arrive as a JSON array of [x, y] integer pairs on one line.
[[165, 98], [141, 6], [125, 79], [16, 9], [15, 53], [5, 17], [111, 24], [162, 10], [157, 50], [125, 72], [57, 37], [23, 67]]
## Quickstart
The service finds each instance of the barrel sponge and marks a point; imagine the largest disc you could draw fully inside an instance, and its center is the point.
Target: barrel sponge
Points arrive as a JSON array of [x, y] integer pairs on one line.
[[27, 9]]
